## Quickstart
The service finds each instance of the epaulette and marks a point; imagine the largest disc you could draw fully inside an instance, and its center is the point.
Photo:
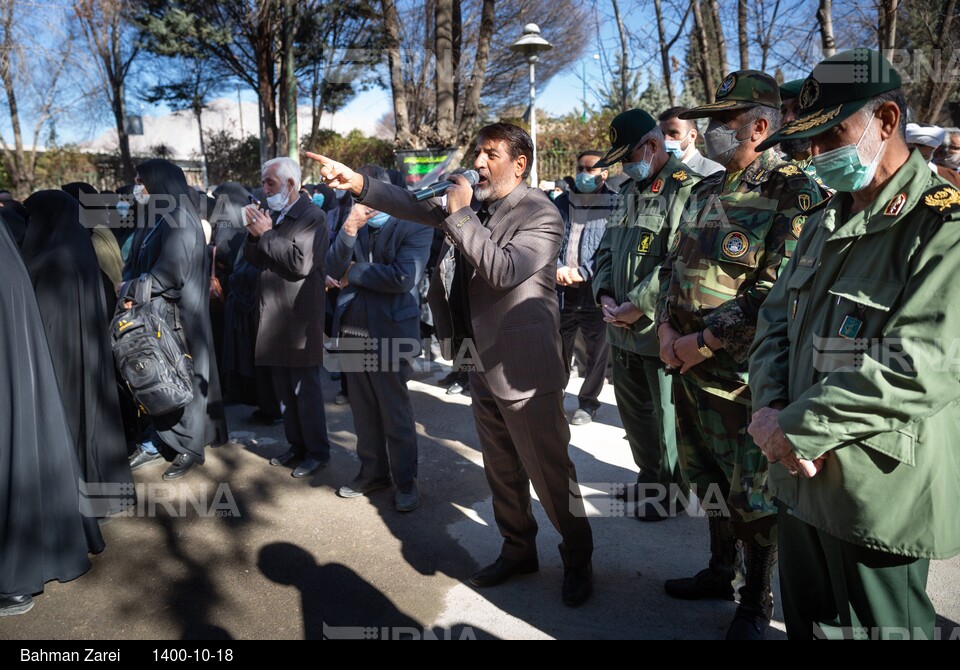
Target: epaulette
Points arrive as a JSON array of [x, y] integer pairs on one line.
[[685, 178], [944, 200]]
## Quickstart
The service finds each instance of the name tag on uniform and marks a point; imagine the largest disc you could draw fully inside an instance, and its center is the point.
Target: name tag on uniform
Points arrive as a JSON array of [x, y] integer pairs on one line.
[[850, 328], [807, 261]]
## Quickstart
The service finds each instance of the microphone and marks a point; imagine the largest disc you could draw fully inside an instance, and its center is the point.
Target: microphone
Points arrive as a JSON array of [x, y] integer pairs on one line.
[[438, 189]]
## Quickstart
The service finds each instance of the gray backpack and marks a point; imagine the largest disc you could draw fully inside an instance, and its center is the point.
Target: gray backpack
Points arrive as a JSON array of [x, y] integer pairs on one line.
[[150, 355]]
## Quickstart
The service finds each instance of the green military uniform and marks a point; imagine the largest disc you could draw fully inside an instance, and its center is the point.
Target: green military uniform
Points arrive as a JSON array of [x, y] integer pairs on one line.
[[722, 267], [856, 341], [638, 237]]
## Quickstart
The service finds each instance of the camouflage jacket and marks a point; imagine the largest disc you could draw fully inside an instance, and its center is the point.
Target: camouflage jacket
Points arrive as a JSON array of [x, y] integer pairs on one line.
[[635, 243], [725, 261]]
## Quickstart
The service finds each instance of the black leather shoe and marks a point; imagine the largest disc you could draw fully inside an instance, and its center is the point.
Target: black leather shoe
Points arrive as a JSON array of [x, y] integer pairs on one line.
[[503, 569], [13, 605], [408, 497], [181, 464], [141, 458], [577, 585], [359, 487], [653, 511], [289, 457], [711, 584], [309, 466], [748, 624], [449, 378]]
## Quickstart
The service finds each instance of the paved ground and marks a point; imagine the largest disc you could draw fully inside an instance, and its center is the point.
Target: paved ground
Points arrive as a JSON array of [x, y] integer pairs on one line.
[[295, 561]]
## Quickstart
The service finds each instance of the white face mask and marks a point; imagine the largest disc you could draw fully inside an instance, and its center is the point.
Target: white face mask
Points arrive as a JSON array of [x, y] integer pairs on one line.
[[277, 201], [140, 194]]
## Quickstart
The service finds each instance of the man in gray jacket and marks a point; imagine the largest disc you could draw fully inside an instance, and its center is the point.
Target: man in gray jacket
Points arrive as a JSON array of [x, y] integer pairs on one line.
[[289, 247]]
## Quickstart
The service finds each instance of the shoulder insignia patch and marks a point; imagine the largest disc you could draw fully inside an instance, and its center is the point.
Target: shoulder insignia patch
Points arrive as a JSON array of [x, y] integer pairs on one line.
[[895, 206], [797, 225], [680, 175], [657, 186], [646, 239], [943, 199], [804, 201], [735, 245], [789, 170]]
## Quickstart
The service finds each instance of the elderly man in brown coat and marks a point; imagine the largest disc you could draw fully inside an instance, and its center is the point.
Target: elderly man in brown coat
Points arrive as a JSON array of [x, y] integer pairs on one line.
[[289, 247]]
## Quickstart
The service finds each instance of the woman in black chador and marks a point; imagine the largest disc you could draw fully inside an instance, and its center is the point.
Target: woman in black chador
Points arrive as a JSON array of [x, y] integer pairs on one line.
[[43, 534], [173, 252], [66, 278]]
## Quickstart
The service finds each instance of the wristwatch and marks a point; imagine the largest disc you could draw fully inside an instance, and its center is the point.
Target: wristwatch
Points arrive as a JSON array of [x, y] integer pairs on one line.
[[702, 347]]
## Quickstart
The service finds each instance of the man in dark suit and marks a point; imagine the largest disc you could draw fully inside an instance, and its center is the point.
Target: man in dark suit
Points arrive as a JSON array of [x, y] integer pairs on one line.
[[379, 261], [507, 237], [289, 248]]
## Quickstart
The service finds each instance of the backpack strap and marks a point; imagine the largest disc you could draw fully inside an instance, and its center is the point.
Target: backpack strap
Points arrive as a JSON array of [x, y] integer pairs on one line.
[[143, 289]]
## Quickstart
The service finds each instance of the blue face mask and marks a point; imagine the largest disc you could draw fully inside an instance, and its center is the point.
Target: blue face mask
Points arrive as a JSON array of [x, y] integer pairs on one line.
[[378, 219], [318, 199], [587, 183], [843, 170], [638, 171], [673, 147]]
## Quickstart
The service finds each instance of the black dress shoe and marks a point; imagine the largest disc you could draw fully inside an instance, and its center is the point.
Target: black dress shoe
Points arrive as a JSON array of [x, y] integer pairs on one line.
[[503, 569], [181, 464], [577, 585], [359, 486], [289, 457], [13, 605], [659, 511], [141, 458], [449, 378], [309, 467]]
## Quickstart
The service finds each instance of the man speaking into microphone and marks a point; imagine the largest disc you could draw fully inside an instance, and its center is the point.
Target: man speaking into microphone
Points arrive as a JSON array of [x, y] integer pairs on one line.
[[507, 237]]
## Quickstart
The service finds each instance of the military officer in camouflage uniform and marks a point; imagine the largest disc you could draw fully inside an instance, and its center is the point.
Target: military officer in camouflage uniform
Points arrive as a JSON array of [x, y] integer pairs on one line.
[[649, 208], [723, 266], [855, 388]]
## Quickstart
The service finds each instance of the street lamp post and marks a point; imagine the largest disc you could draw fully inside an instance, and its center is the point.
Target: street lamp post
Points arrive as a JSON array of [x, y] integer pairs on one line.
[[530, 44]]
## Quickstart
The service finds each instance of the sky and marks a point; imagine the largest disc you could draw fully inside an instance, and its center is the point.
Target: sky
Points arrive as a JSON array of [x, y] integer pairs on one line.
[[562, 95]]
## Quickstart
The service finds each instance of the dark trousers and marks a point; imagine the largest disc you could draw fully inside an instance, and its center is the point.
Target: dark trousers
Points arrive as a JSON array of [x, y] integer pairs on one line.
[[384, 423], [644, 396], [266, 395], [590, 322], [304, 417], [523, 442], [832, 588]]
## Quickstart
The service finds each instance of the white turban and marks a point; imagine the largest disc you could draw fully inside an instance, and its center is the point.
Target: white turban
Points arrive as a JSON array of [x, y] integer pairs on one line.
[[928, 136]]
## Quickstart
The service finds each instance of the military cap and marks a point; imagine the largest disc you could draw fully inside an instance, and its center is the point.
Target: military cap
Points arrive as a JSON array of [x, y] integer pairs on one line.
[[837, 87], [626, 131], [791, 89], [740, 90]]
